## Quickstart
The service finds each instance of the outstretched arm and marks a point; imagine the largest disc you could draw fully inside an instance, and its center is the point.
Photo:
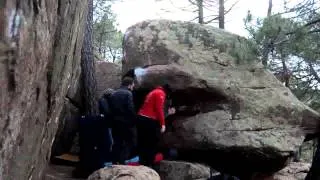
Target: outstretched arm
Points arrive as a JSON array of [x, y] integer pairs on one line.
[[160, 99]]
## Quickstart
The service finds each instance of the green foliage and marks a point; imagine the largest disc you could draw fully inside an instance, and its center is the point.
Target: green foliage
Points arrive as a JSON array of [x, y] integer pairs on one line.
[[292, 49], [107, 39]]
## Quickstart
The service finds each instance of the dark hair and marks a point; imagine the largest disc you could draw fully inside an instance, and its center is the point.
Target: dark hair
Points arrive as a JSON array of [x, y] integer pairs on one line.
[[130, 73], [126, 81], [167, 88]]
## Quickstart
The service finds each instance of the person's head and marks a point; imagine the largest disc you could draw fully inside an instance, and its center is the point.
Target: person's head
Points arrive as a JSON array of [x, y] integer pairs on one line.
[[128, 82], [130, 73]]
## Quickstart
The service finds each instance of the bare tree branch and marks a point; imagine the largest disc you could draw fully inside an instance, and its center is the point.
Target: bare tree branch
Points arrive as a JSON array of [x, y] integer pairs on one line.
[[312, 22], [231, 7], [214, 19], [314, 72], [194, 18]]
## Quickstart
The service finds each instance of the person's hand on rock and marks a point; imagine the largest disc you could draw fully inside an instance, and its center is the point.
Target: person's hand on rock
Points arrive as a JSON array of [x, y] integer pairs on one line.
[[172, 111], [163, 129]]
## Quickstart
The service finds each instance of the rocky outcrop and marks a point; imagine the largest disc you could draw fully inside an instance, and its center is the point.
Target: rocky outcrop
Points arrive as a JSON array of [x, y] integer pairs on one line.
[[40, 44], [68, 127], [108, 76], [56, 172], [231, 111], [178, 170], [294, 171], [120, 172]]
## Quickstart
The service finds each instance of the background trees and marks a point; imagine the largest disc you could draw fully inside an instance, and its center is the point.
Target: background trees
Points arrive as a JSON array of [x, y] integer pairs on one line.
[[288, 44], [107, 40], [208, 11]]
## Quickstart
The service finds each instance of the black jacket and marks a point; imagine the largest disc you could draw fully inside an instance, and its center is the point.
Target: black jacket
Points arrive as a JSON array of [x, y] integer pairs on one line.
[[122, 107], [104, 107]]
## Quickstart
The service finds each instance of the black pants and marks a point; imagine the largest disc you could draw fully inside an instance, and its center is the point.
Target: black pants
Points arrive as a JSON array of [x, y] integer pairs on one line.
[[123, 142], [148, 139]]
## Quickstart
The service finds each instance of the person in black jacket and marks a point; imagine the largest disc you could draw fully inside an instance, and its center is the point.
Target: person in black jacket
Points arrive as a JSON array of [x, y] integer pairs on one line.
[[106, 134], [123, 122]]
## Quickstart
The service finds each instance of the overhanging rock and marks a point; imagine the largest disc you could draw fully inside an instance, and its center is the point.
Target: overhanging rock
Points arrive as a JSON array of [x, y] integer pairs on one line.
[[243, 114]]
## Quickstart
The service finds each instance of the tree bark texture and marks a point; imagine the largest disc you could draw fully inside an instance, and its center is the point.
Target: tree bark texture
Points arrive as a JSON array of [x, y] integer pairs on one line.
[[89, 84], [267, 42], [221, 14], [200, 11], [269, 8]]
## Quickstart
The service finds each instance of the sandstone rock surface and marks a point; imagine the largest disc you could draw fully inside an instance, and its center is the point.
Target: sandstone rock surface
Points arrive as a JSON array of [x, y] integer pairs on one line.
[[108, 76], [40, 44], [120, 172], [178, 170], [242, 113], [294, 171]]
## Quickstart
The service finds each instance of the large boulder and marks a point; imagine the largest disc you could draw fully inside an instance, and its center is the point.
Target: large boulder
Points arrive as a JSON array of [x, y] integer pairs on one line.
[[40, 45], [108, 76], [121, 172], [179, 170], [233, 114], [294, 171]]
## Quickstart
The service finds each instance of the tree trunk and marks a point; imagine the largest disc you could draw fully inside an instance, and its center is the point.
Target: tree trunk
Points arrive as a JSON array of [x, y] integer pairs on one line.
[[314, 72], [269, 8], [265, 53], [112, 54], [89, 84], [267, 42], [200, 11], [221, 14], [100, 43], [285, 72]]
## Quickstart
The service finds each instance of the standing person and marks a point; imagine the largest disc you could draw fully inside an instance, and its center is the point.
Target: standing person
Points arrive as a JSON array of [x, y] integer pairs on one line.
[[151, 123], [123, 121], [105, 125]]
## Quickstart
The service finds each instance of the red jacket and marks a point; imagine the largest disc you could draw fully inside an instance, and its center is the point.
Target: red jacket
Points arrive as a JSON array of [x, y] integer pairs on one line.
[[153, 106]]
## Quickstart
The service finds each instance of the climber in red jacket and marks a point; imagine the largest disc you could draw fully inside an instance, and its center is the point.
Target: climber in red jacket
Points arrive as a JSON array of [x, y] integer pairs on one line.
[[151, 123]]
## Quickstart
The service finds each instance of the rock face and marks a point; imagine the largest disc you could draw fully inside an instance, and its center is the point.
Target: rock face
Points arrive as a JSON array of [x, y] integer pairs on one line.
[[231, 111], [294, 171], [120, 172], [67, 130], [108, 76], [175, 170], [40, 44]]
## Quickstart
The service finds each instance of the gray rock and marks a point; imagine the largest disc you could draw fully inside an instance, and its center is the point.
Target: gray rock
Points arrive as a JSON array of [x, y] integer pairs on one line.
[[40, 64], [294, 171], [121, 172], [245, 115], [67, 130], [178, 170], [108, 76]]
